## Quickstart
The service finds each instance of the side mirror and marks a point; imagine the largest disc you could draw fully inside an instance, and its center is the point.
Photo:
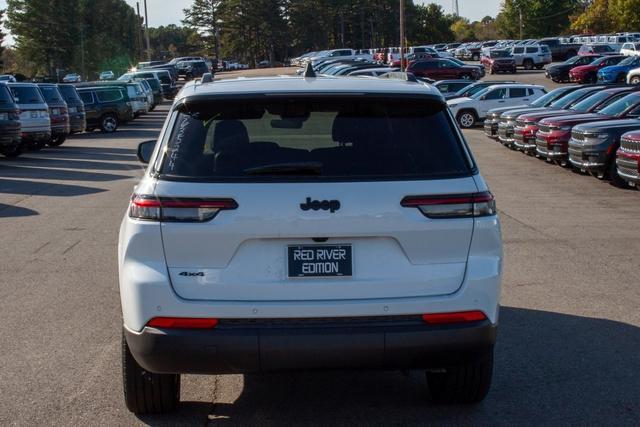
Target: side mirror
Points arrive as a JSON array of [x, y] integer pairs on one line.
[[145, 150]]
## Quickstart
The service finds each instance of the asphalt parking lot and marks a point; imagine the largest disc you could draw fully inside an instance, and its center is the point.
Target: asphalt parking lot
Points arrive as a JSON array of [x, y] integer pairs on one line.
[[570, 325]]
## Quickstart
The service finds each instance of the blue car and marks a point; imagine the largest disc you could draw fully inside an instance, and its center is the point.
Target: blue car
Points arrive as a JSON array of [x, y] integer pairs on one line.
[[618, 73]]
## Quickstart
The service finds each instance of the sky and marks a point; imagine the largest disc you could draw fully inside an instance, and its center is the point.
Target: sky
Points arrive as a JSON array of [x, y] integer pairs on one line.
[[164, 12]]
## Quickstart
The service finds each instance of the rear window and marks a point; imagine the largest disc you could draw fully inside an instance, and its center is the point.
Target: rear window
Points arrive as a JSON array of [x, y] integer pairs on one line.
[[51, 94], [5, 95], [69, 93], [315, 140], [27, 95], [109, 95]]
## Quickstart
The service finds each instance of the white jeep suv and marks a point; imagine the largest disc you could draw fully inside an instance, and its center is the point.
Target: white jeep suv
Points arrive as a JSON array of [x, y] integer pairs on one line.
[[468, 111], [308, 223]]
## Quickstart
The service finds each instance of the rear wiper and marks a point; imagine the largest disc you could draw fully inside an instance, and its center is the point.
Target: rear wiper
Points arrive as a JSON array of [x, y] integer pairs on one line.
[[299, 168]]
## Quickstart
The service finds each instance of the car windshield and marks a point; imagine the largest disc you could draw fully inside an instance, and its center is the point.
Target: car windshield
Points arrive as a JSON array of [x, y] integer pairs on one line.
[[51, 94], [500, 54], [591, 101], [5, 95], [565, 101], [573, 60], [341, 138], [69, 93], [545, 99], [632, 60], [27, 95], [621, 105], [471, 89]]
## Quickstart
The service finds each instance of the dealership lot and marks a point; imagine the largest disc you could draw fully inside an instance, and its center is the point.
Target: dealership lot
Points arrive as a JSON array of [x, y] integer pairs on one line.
[[567, 351]]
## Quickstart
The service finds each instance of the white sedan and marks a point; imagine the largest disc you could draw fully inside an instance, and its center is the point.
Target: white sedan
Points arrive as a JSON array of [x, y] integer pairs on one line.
[[630, 49], [468, 111]]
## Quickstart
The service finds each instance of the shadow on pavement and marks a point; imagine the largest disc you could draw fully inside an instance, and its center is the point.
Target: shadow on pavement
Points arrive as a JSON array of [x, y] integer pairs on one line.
[[10, 186], [550, 368], [8, 211], [19, 171]]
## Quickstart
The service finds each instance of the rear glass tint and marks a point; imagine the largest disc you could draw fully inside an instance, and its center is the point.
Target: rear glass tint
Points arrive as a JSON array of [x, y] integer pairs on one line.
[[5, 95], [51, 94], [27, 95], [315, 140], [69, 93]]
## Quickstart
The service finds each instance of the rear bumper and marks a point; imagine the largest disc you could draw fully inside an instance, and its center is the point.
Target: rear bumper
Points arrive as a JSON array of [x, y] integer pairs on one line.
[[243, 347], [78, 123], [9, 132]]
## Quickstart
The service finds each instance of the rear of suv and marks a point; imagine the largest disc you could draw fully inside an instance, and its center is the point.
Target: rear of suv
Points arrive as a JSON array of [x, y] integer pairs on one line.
[[58, 113], [34, 115], [317, 223], [10, 140]]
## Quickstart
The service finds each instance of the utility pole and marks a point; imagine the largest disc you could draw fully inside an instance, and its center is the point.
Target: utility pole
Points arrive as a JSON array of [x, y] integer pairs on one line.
[[521, 24], [401, 35], [456, 8], [146, 32], [140, 30]]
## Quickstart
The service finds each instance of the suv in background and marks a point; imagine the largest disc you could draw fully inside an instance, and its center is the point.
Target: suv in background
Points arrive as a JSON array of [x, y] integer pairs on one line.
[[628, 158], [532, 56], [468, 111], [303, 288], [560, 51], [106, 107], [34, 114], [58, 113], [441, 69], [192, 69], [75, 106], [10, 140], [499, 61]]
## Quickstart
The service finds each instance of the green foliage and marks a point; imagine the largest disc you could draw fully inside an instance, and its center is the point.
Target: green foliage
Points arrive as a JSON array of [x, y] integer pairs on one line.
[[540, 18], [171, 40], [602, 16], [85, 36]]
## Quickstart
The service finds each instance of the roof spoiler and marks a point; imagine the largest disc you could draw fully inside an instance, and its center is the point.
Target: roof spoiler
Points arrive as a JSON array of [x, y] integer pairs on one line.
[[398, 75]]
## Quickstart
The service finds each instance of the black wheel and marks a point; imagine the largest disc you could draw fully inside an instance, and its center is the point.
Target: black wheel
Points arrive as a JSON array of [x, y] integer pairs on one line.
[[539, 66], [462, 384], [145, 392], [109, 123], [466, 119], [475, 57], [635, 80], [622, 78], [466, 77], [615, 178], [12, 151], [57, 140], [527, 64]]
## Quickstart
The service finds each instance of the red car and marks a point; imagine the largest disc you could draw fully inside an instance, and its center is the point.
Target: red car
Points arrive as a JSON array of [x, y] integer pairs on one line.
[[498, 61], [628, 158], [442, 69], [554, 133], [589, 73]]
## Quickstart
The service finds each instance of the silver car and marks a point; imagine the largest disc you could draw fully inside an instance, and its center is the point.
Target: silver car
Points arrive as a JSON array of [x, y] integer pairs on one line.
[[34, 115]]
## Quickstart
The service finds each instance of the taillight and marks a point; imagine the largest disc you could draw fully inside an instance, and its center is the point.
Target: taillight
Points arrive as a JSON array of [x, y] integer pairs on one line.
[[168, 209], [454, 206], [182, 323], [459, 317]]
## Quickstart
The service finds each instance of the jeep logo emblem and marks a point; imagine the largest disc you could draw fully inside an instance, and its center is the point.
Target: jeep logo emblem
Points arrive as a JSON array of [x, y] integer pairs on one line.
[[316, 205]]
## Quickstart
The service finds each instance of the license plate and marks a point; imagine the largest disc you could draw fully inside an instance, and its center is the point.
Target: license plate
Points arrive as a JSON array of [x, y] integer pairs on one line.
[[320, 261]]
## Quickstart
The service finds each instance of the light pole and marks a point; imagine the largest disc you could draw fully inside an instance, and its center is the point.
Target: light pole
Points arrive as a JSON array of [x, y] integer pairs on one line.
[[401, 35], [146, 32]]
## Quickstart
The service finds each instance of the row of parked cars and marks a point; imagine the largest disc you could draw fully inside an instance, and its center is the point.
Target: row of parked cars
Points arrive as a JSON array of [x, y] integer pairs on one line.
[[594, 67], [592, 128], [35, 115]]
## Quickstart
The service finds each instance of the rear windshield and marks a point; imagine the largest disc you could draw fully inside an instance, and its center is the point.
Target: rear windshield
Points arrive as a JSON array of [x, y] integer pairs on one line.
[[5, 95], [27, 95], [595, 99], [315, 140], [621, 105], [69, 93], [565, 101], [51, 94]]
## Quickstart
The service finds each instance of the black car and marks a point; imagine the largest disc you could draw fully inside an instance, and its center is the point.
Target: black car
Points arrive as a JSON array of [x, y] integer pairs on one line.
[[192, 69], [106, 107], [77, 115], [560, 72], [172, 69], [58, 112], [10, 139]]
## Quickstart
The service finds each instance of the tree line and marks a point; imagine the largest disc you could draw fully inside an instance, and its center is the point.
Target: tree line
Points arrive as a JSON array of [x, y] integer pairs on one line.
[[89, 36]]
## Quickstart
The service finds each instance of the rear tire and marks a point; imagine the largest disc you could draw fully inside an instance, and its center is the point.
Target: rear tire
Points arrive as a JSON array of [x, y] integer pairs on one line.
[[57, 141], [12, 151], [108, 123], [462, 384], [615, 178], [466, 119], [539, 66], [527, 64], [146, 392], [475, 57]]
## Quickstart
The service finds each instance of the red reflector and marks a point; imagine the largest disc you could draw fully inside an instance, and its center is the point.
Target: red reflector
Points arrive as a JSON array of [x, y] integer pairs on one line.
[[460, 317], [182, 323]]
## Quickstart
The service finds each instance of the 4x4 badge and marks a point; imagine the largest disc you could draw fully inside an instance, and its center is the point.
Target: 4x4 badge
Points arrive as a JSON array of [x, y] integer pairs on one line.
[[316, 205]]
